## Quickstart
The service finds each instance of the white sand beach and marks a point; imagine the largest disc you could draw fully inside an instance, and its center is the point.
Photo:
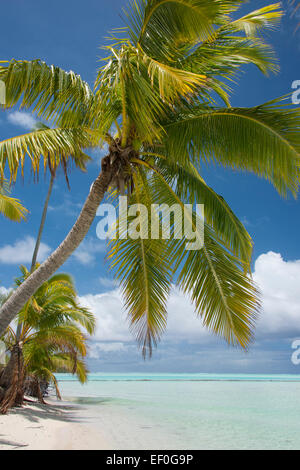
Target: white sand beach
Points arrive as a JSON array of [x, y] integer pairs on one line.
[[55, 426]]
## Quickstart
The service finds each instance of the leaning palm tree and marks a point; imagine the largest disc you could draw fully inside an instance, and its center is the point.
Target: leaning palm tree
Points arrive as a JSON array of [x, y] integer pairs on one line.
[[51, 339], [10, 207], [157, 105], [81, 163]]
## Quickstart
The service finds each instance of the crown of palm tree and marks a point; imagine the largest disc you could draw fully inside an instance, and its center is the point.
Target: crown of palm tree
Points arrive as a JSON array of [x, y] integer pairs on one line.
[[155, 103], [53, 325]]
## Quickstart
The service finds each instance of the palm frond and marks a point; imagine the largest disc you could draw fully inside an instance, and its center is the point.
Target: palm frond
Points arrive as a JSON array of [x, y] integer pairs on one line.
[[172, 82], [263, 140], [141, 266], [191, 188], [50, 91], [224, 56], [267, 17], [54, 146], [66, 337], [224, 296], [163, 27], [126, 79], [12, 208]]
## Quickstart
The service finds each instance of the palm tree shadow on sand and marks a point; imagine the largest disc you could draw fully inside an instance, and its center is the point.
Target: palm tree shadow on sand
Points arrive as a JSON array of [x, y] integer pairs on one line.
[[36, 413]]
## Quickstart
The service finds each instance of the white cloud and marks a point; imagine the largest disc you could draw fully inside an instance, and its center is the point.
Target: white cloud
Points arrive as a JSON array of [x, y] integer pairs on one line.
[[87, 252], [96, 350], [4, 291], [112, 323], [183, 323], [107, 283], [109, 347], [111, 318], [278, 281], [21, 251], [83, 256], [22, 119], [68, 206]]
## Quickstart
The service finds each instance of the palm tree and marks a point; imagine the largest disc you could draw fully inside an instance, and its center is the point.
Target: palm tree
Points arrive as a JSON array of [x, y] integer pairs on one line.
[[160, 87], [81, 163], [16, 362], [41, 126], [51, 339], [9, 206]]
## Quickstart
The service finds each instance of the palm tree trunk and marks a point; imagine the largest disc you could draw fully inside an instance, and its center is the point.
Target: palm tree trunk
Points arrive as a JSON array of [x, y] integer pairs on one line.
[[21, 373], [12, 379], [78, 232], [40, 395], [38, 240], [43, 220]]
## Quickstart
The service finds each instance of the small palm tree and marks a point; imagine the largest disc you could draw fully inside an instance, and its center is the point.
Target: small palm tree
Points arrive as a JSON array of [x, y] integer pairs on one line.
[[160, 88], [51, 339], [9, 206]]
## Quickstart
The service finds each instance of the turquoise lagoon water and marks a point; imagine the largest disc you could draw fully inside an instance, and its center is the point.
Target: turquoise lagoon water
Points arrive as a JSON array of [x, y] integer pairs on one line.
[[190, 411]]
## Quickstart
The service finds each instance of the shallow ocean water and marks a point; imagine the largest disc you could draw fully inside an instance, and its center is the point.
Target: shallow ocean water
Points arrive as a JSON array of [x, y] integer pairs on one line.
[[190, 411]]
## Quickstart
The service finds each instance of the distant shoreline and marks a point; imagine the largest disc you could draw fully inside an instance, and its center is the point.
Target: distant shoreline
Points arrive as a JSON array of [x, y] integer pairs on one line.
[[180, 377]]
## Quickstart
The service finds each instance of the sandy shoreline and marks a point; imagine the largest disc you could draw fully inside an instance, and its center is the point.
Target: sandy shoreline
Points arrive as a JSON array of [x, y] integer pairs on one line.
[[56, 426]]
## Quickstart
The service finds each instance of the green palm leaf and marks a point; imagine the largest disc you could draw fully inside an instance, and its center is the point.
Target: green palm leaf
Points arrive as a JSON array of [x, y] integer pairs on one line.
[[11, 207], [267, 17], [157, 88], [54, 146], [223, 294], [141, 266], [53, 326], [178, 22], [263, 140], [50, 91], [190, 187]]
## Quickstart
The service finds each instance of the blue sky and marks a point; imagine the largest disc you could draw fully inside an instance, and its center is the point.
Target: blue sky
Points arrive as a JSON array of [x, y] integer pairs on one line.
[[68, 34]]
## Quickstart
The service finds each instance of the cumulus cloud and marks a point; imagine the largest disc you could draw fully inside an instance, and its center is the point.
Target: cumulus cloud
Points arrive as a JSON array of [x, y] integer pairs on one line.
[[107, 283], [83, 256], [4, 291], [279, 282], [87, 252], [111, 318], [68, 207], [22, 119], [277, 279], [97, 350], [183, 323], [21, 251], [112, 323]]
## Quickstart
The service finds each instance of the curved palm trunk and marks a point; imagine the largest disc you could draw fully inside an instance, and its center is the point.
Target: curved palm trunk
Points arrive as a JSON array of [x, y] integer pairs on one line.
[[79, 230], [17, 394]]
